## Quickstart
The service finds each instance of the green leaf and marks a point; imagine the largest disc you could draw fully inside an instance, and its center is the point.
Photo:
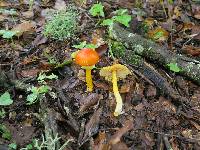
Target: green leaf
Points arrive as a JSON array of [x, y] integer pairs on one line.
[[32, 98], [29, 147], [97, 10], [90, 46], [80, 46], [12, 146], [44, 76], [43, 89], [5, 132], [173, 67], [107, 22], [9, 34], [5, 99], [123, 19], [120, 12]]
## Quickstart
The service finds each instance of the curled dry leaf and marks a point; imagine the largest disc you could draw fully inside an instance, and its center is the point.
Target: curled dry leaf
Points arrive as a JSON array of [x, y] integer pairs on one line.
[[92, 126], [26, 26]]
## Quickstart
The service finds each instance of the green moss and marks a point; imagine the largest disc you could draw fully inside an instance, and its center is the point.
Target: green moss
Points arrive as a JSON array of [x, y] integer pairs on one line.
[[118, 49], [63, 24]]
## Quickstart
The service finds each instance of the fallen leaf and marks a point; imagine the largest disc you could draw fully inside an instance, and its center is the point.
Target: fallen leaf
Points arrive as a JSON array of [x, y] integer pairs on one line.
[[29, 73], [89, 101], [92, 126], [28, 14], [99, 142], [119, 146], [128, 125], [26, 26], [40, 39], [158, 34], [191, 50]]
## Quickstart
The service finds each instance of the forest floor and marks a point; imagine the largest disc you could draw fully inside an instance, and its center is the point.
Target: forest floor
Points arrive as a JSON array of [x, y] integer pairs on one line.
[[44, 101]]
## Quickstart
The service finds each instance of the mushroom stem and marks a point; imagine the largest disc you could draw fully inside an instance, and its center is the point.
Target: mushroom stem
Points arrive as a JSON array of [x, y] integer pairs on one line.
[[89, 80], [118, 109]]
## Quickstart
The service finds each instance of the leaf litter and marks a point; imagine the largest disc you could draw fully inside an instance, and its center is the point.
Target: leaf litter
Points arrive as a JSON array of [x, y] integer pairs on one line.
[[150, 119]]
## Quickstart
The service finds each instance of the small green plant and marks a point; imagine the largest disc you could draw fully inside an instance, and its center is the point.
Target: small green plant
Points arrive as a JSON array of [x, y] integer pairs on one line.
[[12, 146], [63, 24], [97, 10], [121, 17], [36, 93], [5, 99], [42, 76], [8, 12], [84, 45], [173, 67], [5, 132], [8, 34], [49, 143]]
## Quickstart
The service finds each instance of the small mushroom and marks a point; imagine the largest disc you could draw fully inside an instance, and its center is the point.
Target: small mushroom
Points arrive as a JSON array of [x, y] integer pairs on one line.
[[87, 58], [114, 73]]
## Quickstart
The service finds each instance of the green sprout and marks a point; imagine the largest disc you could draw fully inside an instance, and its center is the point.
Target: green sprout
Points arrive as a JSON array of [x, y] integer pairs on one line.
[[97, 10], [5, 99], [173, 67], [36, 93]]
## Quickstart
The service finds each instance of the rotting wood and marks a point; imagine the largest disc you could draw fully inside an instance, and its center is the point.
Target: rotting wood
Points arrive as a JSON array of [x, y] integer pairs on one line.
[[148, 49]]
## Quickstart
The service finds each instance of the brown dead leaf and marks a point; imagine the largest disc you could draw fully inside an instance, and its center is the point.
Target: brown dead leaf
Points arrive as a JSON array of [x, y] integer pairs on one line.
[[92, 126], [191, 50], [119, 146], [125, 88], [196, 125], [148, 139], [40, 39], [117, 136], [101, 85], [196, 11], [29, 73], [89, 101], [26, 26], [60, 5], [187, 133], [4, 4], [151, 91], [99, 142], [28, 14]]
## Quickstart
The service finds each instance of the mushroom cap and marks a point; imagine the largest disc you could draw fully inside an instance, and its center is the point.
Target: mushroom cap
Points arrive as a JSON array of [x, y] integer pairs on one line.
[[87, 57], [121, 71]]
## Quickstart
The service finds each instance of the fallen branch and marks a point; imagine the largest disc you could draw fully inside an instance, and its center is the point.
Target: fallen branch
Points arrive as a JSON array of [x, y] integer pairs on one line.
[[154, 52]]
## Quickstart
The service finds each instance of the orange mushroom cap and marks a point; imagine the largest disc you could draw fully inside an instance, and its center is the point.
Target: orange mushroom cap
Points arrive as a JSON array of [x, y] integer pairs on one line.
[[87, 57]]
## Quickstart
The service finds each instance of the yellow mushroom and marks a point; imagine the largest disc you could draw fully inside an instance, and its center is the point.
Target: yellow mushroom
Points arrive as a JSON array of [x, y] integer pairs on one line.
[[114, 73]]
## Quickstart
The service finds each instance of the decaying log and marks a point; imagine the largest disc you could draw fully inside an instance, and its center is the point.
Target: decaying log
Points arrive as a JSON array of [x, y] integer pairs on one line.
[[148, 49]]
